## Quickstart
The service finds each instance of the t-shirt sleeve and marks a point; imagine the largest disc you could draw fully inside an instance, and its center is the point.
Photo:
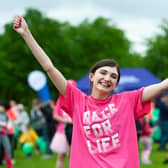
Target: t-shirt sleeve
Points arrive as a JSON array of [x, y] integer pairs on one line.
[[140, 109], [57, 108], [72, 98]]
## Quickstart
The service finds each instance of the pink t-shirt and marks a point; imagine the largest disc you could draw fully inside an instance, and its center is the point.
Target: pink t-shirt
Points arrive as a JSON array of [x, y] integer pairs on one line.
[[104, 132], [60, 112]]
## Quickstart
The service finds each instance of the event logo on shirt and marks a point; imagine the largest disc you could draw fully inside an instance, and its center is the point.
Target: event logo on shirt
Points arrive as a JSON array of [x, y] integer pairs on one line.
[[100, 136]]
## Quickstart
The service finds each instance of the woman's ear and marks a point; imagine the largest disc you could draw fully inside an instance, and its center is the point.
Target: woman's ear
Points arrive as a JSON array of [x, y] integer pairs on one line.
[[91, 76]]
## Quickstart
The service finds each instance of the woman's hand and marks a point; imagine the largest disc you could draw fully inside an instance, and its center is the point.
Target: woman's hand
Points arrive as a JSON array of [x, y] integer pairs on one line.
[[20, 25]]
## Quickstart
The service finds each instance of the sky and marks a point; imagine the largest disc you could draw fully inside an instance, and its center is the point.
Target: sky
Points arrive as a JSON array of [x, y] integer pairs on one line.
[[140, 19]]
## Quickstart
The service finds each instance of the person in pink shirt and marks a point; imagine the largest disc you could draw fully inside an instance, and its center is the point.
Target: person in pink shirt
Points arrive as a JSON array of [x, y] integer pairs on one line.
[[59, 142], [104, 132], [145, 139]]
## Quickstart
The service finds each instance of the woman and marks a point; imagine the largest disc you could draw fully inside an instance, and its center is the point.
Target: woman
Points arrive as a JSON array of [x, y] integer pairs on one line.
[[104, 133]]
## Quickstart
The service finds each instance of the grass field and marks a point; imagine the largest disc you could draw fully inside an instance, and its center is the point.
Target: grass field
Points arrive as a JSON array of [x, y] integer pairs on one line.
[[37, 162]]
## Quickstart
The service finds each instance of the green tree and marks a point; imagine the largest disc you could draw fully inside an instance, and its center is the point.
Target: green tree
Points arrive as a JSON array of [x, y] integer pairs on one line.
[[73, 49], [157, 53]]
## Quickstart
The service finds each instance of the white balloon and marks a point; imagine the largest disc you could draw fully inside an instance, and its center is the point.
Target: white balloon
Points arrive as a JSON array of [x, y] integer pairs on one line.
[[37, 80]]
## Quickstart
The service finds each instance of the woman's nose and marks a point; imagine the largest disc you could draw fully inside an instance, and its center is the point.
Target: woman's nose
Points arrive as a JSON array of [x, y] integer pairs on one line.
[[107, 77]]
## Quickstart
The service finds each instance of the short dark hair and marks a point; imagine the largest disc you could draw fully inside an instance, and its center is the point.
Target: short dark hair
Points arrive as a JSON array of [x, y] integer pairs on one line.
[[36, 102], [106, 62], [4, 104]]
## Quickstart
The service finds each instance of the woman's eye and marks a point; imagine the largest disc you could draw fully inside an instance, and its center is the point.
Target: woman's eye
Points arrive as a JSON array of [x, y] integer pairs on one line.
[[114, 76], [103, 72]]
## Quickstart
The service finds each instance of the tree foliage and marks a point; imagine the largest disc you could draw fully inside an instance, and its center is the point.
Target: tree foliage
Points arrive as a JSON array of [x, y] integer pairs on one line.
[[157, 54]]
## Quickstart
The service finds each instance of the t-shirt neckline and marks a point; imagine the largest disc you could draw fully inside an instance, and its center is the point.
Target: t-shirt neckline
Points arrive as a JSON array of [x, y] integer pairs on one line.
[[100, 101]]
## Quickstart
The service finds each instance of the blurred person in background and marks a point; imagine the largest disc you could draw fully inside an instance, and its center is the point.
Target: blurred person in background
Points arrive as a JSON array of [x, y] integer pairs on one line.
[[39, 123], [59, 143], [13, 105], [5, 128], [145, 139], [12, 114], [29, 137], [162, 105], [47, 109], [22, 119]]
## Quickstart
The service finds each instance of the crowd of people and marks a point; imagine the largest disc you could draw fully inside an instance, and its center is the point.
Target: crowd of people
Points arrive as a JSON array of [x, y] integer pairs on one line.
[[153, 128], [20, 129]]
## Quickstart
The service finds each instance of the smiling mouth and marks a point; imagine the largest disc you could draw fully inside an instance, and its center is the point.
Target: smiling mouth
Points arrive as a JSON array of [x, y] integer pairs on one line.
[[106, 85]]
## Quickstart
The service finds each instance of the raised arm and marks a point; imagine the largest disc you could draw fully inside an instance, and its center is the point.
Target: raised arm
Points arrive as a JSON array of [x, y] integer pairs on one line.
[[54, 74], [155, 90]]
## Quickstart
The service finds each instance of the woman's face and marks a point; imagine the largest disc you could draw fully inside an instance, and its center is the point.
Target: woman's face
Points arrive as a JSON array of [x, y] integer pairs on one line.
[[165, 99], [104, 80], [2, 109]]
